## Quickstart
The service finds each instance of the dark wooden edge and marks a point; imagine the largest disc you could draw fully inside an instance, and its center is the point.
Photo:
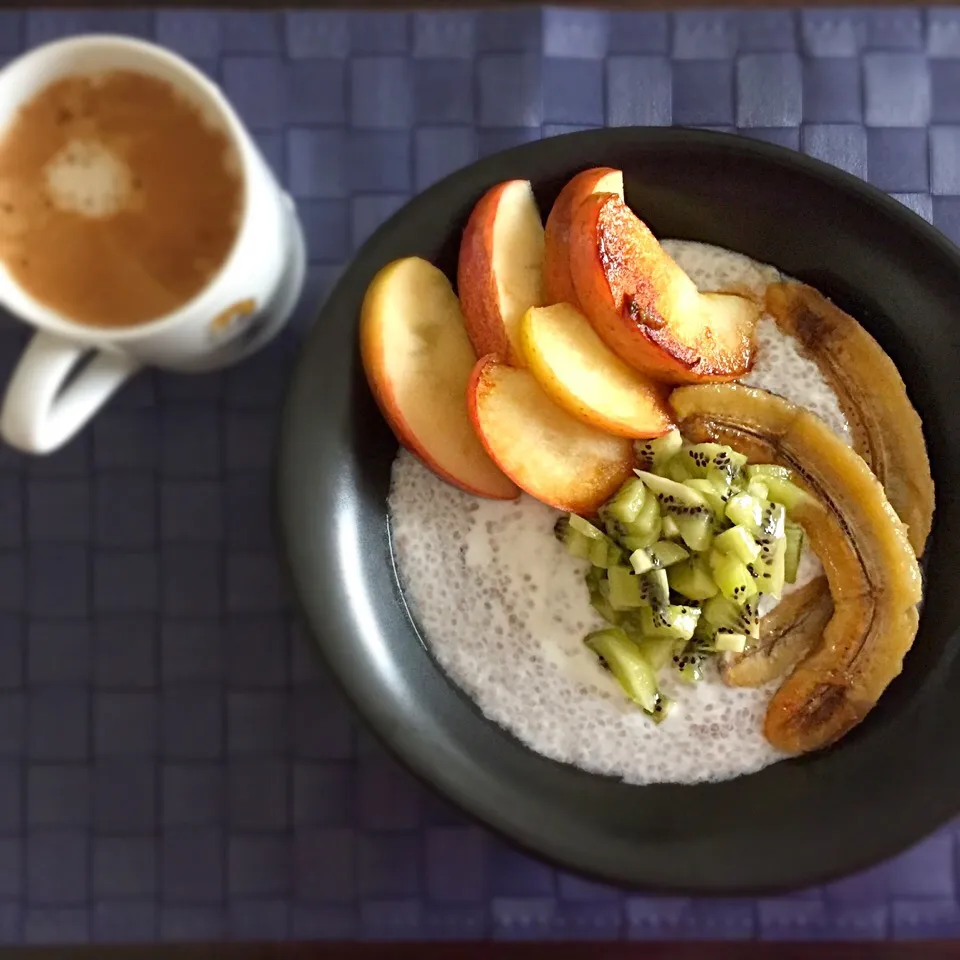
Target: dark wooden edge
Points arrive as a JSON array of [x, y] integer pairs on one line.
[[917, 950], [440, 4]]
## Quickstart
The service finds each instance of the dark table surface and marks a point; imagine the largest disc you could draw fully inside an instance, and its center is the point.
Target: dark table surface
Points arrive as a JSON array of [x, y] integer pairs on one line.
[[174, 763]]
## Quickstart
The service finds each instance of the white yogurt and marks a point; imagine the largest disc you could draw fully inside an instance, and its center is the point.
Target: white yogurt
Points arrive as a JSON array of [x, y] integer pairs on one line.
[[504, 609]]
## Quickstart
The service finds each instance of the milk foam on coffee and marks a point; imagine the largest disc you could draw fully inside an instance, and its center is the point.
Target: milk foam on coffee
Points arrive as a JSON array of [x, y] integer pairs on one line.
[[119, 198], [87, 179], [504, 609]]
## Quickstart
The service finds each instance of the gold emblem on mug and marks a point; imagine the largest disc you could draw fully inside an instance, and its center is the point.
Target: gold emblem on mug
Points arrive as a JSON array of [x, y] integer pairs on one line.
[[231, 321]]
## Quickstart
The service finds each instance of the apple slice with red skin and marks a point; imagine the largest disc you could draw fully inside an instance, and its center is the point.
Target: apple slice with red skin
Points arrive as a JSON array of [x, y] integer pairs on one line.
[[546, 452], [581, 374], [418, 361], [500, 269], [557, 282]]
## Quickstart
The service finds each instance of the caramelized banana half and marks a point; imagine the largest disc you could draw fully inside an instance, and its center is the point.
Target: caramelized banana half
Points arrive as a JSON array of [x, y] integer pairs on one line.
[[887, 431], [787, 634], [869, 563]]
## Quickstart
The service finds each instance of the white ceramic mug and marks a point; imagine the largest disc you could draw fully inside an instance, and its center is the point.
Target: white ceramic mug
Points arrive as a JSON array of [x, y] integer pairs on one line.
[[48, 398]]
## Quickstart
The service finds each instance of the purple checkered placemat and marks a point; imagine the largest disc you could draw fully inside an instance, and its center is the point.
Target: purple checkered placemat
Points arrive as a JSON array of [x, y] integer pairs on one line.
[[173, 762]]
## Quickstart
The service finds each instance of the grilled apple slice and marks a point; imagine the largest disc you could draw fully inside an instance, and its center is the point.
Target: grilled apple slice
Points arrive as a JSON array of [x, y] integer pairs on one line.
[[869, 563], [580, 373], [540, 447], [557, 281], [787, 634], [887, 431], [645, 308]]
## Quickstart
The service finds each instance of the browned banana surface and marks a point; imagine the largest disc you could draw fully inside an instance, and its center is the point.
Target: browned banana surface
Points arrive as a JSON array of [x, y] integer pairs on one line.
[[787, 634], [869, 563], [887, 430]]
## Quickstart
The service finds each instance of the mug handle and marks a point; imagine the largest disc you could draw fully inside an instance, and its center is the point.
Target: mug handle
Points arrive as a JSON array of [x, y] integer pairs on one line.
[[43, 406]]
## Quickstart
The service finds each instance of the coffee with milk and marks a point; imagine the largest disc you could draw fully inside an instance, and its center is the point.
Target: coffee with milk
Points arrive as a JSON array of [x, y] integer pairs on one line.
[[119, 199]]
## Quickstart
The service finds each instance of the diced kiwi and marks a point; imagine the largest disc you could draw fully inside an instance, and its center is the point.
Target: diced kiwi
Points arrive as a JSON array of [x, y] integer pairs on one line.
[[647, 519], [689, 670], [599, 588], [616, 529], [697, 524], [738, 541], [603, 606], [585, 528], [744, 510], [722, 483], [732, 576], [709, 640], [664, 553], [720, 612], [673, 621], [576, 543], [669, 529], [562, 529], [795, 537], [696, 530], [609, 558], [640, 561], [641, 532], [599, 554], [580, 547], [773, 516], [769, 569], [762, 518], [631, 669], [766, 470], [655, 588], [658, 650], [665, 707], [692, 579], [628, 502], [715, 499], [687, 665], [584, 540], [700, 458], [625, 590], [633, 542], [726, 641], [784, 492], [676, 469], [651, 454], [670, 493]]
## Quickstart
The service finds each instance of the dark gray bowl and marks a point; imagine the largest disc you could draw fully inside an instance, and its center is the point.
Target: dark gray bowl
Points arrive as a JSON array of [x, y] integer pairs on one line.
[[892, 780]]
